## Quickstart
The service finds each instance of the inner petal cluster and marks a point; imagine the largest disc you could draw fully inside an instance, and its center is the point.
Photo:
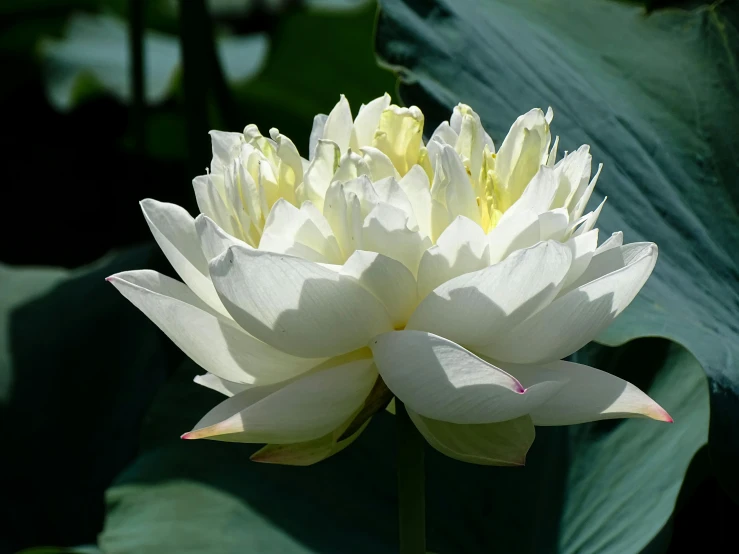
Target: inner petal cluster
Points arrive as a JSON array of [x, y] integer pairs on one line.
[[442, 271]]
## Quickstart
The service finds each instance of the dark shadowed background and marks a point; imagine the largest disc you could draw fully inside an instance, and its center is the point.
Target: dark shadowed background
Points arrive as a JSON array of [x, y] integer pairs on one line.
[[93, 397]]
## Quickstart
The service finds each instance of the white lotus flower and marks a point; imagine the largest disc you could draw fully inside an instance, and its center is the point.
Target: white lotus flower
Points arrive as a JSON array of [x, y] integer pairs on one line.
[[446, 274]]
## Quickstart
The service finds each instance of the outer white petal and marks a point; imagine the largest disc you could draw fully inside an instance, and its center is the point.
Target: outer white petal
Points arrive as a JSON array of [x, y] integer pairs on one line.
[[476, 308], [295, 305], [573, 173], [582, 248], [609, 260], [386, 230], [225, 146], [211, 204], [553, 224], [581, 197], [214, 342], [303, 410], [461, 248], [213, 382], [494, 444], [338, 126], [213, 239], [589, 395], [307, 452], [616, 239], [517, 232], [367, 121], [587, 222], [416, 186], [441, 380], [389, 280], [313, 214], [174, 230], [300, 232], [575, 318]]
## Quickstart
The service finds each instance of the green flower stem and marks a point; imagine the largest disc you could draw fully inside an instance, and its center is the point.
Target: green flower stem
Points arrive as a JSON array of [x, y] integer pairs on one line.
[[411, 484]]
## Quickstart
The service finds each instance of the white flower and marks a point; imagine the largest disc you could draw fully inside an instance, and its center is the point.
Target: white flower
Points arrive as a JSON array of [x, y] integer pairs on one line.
[[447, 274]]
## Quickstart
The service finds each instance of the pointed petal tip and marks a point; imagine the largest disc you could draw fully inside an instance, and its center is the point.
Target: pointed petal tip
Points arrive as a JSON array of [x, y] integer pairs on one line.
[[266, 455], [657, 413], [144, 203], [196, 434], [261, 458], [114, 278], [662, 415]]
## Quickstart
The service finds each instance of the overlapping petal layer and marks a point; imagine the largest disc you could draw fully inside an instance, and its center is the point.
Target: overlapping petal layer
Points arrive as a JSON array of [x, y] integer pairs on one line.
[[443, 272]]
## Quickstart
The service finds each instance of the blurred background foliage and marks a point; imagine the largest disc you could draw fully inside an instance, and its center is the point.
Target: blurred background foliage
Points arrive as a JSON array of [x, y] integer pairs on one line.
[[66, 87], [93, 398]]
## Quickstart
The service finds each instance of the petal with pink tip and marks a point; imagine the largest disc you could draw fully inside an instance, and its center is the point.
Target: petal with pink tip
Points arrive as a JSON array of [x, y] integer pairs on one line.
[[439, 379], [588, 395], [303, 410]]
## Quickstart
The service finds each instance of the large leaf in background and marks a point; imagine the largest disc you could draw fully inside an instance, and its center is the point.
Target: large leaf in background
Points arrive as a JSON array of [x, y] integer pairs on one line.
[[78, 369], [95, 56], [614, 501], [655, 96], [206, 496], [62, 550], [232, 7]]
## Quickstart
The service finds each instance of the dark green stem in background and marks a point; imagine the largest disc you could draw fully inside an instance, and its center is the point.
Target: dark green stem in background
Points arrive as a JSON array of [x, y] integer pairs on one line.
[[138, 105], [411, 484], [227, 106], [195, 78]]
